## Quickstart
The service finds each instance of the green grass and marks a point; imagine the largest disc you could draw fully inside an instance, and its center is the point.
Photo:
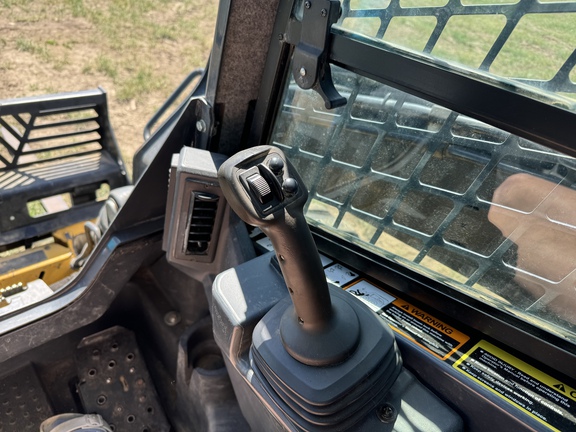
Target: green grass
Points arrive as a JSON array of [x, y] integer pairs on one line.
[[369, 4], [139, 84], [42, 50], [412, 32], [467, 39], [131, 29], [422, 3], [32, 47], [538, 47], [77, 7], [106, 66]]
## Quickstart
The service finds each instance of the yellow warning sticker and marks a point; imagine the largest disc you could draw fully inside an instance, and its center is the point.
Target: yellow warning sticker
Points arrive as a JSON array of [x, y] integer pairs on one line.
[[432, 334], [548, 400]]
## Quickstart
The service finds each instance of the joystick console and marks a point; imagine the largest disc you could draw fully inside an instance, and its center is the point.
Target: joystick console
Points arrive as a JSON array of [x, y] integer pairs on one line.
[[317, 359]]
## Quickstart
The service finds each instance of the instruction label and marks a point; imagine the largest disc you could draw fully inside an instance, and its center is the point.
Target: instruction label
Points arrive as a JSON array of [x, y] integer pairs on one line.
[[435, 336], [548, 400], [339, 275]]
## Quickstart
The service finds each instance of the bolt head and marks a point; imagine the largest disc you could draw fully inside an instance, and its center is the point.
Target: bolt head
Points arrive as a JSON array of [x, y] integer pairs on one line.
[[323, 12], [386, 413], [201, 126], [302, 72], [307, 4], [172, 318]]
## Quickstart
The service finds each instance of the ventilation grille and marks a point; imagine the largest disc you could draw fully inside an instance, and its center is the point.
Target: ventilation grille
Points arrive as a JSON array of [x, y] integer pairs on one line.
[[204, 210]]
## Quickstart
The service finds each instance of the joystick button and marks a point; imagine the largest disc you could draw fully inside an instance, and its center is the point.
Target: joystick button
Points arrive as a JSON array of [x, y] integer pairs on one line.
[[276, 165], [290, 186], [260, 188]]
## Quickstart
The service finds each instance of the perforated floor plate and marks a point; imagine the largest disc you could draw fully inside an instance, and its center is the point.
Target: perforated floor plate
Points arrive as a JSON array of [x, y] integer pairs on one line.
[[23, 402], [114, 382]]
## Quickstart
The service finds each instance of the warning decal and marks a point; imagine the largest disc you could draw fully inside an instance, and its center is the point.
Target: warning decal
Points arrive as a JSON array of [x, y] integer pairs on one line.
[[544, 398], [430, 333]]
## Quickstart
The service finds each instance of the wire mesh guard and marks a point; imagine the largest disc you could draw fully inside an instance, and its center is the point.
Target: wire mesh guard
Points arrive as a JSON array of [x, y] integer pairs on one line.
[[54, 145], [531, 42], [475, 207]]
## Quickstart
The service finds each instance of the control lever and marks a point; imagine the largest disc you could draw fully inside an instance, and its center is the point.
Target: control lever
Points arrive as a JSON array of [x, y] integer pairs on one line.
[[265, 190]]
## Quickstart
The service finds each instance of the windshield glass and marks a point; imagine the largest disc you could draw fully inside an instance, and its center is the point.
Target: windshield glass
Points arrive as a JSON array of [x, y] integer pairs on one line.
[[482, 210], [531, 43]]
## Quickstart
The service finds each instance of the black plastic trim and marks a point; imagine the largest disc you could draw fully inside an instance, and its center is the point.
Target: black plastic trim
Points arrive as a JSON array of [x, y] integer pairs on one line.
[[273, 78]]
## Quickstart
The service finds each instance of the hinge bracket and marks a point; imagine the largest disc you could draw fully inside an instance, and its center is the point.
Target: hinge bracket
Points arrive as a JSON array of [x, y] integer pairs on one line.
[[310, 66]]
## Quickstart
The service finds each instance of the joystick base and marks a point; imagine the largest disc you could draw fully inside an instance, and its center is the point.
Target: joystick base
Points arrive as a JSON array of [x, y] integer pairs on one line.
[[336, 394], [326, 346]]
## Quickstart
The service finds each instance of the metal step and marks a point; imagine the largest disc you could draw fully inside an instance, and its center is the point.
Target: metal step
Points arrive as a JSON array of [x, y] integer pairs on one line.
[[114, 382], [23, 402]]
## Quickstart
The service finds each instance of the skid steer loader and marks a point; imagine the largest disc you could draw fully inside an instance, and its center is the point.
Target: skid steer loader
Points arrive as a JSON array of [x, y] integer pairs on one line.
[[344, 227]]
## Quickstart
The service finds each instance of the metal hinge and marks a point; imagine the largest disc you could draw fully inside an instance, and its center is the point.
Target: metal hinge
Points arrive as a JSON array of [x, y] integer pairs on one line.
[[311, 38]]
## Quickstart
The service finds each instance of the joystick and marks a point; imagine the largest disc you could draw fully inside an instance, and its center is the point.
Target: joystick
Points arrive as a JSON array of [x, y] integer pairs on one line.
[[265, 190]]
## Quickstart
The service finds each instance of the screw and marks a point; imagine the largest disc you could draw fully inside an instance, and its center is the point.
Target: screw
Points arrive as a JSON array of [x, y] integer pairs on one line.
[[201, 126], [386, 413], [323, 12], [280, 36], [172, 318], [302, 72], [307, 4]]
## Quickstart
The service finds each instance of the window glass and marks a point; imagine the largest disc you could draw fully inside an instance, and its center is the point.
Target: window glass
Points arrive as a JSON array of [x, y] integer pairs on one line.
[[472, 206], [532, 43]]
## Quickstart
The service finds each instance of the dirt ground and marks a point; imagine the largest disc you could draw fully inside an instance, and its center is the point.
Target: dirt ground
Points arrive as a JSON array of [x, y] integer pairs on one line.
[[138, 52]]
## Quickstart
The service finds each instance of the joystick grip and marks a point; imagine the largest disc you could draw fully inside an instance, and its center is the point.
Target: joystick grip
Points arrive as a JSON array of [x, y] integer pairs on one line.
[[265, 190]]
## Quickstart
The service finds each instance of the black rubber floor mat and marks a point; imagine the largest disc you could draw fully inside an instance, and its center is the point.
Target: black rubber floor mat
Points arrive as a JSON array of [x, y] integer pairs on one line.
[[23, 402], [114, 382]]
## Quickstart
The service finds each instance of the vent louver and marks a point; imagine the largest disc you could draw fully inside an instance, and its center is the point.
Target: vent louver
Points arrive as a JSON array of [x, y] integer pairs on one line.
[[202, 221]]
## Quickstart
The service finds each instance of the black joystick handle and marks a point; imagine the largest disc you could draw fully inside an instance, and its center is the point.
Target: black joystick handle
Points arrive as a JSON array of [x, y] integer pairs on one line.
[[265, 190]]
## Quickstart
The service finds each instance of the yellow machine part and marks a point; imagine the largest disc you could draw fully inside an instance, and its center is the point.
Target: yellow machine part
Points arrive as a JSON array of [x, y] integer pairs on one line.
[[66, 235], [49, 262]]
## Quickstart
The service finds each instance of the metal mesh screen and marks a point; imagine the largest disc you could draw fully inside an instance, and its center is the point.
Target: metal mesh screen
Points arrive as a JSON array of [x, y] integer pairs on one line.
[[529, 41]]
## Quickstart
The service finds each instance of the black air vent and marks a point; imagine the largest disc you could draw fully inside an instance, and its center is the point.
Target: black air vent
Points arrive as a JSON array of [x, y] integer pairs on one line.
[[202, 220]]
